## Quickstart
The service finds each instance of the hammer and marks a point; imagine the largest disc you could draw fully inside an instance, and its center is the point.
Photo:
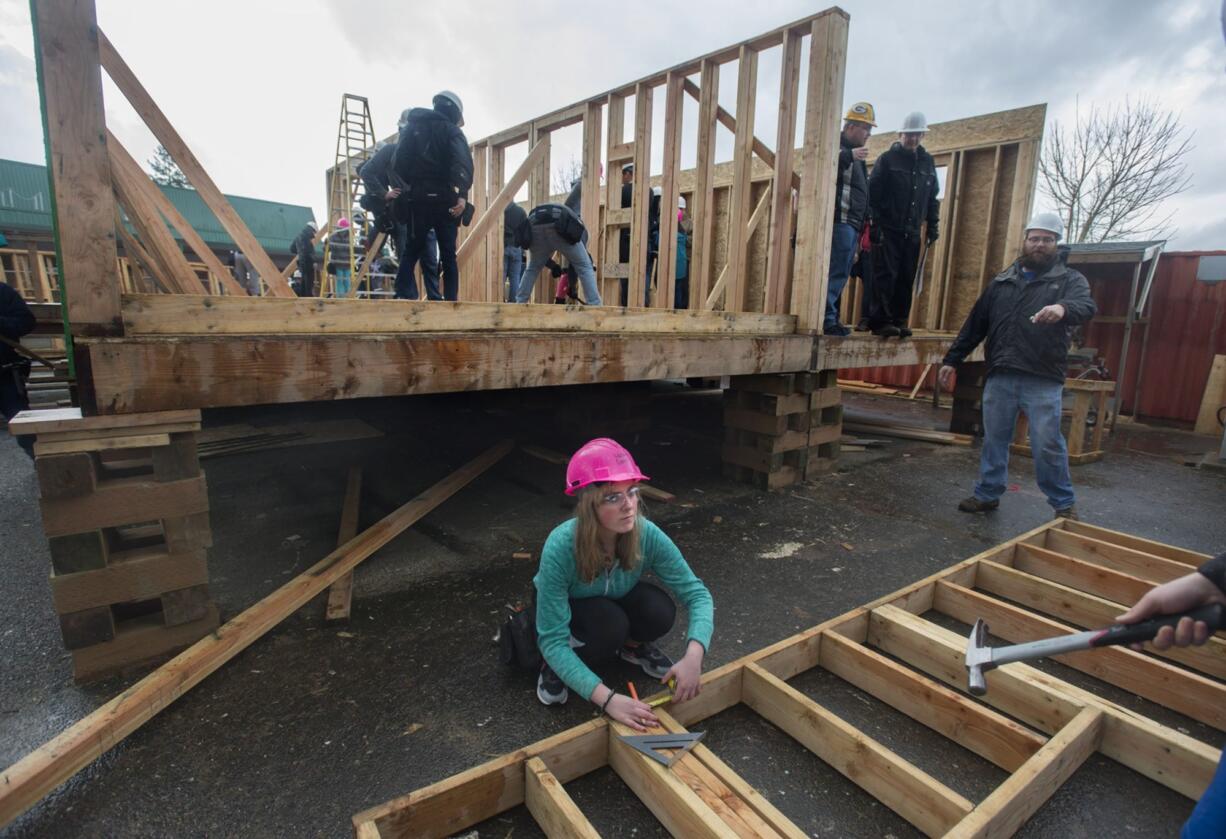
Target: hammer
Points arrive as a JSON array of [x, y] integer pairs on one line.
[[981, 658]]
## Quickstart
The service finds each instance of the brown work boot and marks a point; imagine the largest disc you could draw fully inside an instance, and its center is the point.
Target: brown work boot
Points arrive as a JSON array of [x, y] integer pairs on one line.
[[977, 505], [1068, 513]]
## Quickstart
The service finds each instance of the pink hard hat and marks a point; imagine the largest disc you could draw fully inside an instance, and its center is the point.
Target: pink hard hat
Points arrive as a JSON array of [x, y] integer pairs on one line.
[[343, 223], [600, 461]]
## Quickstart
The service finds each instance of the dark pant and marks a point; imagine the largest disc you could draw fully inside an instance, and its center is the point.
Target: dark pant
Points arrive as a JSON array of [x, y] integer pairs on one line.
[[425, 218], [14, 399], [428, 259], [604, 624], [307, 289], [894, 261]]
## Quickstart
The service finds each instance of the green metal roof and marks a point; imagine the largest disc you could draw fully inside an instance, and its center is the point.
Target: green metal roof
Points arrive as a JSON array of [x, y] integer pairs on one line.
[[26, 205]]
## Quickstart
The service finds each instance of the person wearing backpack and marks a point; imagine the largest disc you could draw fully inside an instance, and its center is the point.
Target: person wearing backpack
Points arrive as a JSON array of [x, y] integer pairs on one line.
[[434, 163], [553, 228], [593, 604]]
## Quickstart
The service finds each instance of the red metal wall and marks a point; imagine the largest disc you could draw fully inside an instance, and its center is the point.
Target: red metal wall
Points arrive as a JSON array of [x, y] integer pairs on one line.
[[1187, 328]]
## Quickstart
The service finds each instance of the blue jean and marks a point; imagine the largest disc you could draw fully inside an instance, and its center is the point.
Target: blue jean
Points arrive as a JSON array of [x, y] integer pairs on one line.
[[842, 251], [545, 240], [342, 282], [512, 269], [1006, 393], [429, 226], [1208, 819]]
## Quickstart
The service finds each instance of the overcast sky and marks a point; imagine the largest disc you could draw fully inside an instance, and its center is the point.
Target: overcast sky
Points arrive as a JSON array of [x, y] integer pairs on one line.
[[255, 87]]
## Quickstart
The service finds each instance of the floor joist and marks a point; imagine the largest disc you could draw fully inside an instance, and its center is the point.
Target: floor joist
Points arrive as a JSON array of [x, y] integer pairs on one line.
[[1050, 729]]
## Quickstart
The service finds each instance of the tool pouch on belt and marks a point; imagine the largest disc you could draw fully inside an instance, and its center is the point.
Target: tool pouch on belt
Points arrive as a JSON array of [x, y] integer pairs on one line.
[[517, 640], [569, 226]]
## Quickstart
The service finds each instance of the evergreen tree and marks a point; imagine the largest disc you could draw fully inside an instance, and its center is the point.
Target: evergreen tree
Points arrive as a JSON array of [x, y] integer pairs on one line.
[[165, 171]]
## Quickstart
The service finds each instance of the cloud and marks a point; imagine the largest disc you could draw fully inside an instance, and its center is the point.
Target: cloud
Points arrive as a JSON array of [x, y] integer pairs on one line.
[[22, 138]]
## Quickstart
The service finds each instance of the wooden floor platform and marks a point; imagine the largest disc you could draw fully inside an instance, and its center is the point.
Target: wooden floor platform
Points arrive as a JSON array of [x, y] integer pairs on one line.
[[1036, 727], [180, 351]]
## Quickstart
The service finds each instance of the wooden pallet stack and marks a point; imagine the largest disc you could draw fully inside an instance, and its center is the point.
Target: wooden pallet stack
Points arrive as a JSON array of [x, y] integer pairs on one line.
[[125, 510], [782, 428]]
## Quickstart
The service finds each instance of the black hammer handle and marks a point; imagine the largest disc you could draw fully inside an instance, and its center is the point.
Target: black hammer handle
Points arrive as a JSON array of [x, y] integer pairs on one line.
[[1131, 633]]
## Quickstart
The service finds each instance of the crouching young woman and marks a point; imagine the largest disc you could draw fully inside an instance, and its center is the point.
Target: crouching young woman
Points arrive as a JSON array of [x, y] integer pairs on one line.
[[592, 604]]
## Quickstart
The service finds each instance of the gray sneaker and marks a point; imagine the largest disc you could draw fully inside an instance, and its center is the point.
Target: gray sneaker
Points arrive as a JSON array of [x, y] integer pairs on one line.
[[648, 656], [550, 689]]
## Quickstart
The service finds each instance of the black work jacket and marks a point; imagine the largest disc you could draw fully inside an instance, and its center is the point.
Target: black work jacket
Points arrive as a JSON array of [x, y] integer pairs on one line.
[[433, 159], [1002, 317], [374, 172], [902, 191], [850, 188], [16, 320]]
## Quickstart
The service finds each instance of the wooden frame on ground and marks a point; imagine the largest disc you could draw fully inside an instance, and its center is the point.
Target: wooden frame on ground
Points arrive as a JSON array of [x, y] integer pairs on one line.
[[1036, 727]]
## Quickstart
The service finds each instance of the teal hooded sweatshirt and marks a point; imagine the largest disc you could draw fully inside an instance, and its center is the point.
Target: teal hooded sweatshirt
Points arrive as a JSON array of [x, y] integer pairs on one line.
[[557, 583]]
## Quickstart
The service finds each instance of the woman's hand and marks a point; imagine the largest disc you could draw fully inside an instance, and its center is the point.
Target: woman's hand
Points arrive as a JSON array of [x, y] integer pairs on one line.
[[688, 673], [630, 711]]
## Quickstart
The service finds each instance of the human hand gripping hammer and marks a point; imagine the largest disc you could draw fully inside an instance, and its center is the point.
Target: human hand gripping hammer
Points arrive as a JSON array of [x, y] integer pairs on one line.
[[980, 658]]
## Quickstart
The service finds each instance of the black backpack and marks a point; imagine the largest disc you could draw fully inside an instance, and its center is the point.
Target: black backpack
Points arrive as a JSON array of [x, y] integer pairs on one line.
[[517, 640]]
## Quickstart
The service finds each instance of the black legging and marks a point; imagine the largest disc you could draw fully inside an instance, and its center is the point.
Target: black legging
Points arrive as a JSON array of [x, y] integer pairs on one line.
[[604, 624]]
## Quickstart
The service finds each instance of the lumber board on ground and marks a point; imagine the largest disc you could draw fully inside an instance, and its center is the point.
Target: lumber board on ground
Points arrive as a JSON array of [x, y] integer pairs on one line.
[[555, 811], [907, 790], [907, 433], [35, 775], [1026, 790], [161, 314], [1129, 560], [1127, 540], [65, 420], [340, 594]]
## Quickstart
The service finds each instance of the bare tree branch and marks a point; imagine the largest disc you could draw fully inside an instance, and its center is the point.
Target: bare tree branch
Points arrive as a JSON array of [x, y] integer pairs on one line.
[[1110, 173]]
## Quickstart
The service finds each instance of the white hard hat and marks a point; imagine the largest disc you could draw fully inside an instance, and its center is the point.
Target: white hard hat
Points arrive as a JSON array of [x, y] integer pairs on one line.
[[454, 100], [681, 201], [1046, 221], [914, 123], [656, 191]]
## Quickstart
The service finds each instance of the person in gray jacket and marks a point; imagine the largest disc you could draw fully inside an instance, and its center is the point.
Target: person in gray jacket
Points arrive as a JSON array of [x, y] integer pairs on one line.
[[1024, 315], [556, 228]]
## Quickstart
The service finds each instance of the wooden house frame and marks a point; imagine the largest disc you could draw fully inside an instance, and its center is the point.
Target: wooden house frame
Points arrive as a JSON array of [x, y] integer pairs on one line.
[[183, 349], [1036, 727]]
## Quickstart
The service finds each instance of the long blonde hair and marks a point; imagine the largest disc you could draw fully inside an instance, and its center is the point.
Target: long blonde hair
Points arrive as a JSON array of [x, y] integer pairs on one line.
[[589, 555]]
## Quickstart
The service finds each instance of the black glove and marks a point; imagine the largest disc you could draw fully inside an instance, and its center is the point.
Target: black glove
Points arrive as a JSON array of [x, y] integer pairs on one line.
[[932, 238], [555, 269], [466, 217], [876, 234]]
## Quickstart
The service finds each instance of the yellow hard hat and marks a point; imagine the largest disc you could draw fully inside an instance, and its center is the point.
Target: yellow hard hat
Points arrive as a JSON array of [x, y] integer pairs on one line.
[[861, 112]]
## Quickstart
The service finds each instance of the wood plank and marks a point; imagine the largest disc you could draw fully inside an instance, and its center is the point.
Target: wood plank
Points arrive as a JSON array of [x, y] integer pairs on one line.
[[66, 475], [24, 783], [727, 776], [55, 420], [703, 246], [143, 104], [168, 259], [140, 574], [205, 372], [554, 810], [1117, 557], [122, 160], [671, 801], [70, 87], [1159, 753], [988, 734], [340, 593], [161, 314], [815, 215], [1088, 611], [742, 162], [124, 502], [98, 444], [640, 204], [486, 223], [1185, 692], [907, 790], [666, 271], [589, 203], [779, 240], [493, 241], [1083, 576], [1187, 557], [1011, 804], [135, 250]]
